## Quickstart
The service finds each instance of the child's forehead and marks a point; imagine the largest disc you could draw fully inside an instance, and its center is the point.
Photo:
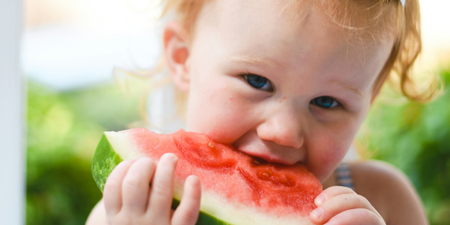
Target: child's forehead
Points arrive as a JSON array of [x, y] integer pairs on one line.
[[265, 24], [235, 19], [364, 21], [245, 13]]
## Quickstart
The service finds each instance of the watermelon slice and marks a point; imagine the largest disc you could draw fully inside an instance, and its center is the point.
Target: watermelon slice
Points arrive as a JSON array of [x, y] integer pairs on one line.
[[236, 188]]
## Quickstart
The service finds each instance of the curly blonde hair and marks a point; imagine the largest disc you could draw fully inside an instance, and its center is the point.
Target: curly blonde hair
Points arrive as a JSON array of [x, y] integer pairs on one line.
[[366, 19]]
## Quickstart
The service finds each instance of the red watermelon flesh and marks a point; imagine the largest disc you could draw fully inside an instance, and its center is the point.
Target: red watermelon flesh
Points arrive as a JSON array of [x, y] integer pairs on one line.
[[262, 192]]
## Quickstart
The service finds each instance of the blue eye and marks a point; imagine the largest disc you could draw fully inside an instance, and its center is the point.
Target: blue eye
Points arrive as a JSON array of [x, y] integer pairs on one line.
[[325, 102], [258, 82]]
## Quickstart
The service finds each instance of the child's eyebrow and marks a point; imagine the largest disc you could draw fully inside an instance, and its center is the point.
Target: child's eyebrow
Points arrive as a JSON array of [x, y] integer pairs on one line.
[[350, 88], [252, 59]]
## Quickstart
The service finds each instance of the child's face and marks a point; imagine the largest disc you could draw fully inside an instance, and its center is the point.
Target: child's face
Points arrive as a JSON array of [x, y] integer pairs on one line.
[[318, 88]]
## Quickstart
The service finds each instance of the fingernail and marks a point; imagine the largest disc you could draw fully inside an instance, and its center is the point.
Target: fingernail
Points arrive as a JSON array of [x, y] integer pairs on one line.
[[317, 213], [194, 180], [319, 200], [170, 156]]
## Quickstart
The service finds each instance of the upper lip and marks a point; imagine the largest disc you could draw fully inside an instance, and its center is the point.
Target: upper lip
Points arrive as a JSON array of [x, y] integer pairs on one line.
[[270, 157], [252, 145]]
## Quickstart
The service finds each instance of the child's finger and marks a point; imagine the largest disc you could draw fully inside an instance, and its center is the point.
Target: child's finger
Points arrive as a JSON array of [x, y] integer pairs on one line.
[[187, 211], [357, 216], [162, 190], [135, 187], [331, 192], [338, 204], [112, 193]]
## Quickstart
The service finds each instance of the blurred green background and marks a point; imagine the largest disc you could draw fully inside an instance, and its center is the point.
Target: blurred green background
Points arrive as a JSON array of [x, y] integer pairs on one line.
[[415, 137], [64, 128]]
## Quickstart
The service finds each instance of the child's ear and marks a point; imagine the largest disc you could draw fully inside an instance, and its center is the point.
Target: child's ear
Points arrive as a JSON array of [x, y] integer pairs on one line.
[[176, 54]]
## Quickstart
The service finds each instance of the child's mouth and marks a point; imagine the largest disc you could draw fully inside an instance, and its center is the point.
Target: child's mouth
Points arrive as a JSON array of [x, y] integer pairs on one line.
[[251, 144], [263, 157]]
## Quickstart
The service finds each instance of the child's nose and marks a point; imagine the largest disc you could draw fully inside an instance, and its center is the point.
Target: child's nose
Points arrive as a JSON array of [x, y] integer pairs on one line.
[[283, 128]]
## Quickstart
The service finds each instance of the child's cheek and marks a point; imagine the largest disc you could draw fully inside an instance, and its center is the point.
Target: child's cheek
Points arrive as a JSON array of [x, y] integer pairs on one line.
[[324, 156], [218, 113]]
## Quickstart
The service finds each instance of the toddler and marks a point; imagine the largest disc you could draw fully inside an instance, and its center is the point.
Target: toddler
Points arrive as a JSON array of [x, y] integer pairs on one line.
[[288, 81]]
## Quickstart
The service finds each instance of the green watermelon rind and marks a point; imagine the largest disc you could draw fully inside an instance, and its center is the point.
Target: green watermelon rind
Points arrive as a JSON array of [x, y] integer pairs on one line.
[[106, 159]]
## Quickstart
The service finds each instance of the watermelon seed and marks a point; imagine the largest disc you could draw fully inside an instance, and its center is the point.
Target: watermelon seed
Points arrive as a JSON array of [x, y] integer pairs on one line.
[[210, 145], [256, 161], [266, 174]]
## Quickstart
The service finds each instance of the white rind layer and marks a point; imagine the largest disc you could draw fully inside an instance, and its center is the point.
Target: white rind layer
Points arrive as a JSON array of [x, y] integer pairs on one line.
[[122, 145], [238, 214], [211, 203]]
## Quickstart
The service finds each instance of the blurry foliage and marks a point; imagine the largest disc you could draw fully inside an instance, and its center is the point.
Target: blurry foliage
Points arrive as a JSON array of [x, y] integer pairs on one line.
[[63, 130], [415, 137]]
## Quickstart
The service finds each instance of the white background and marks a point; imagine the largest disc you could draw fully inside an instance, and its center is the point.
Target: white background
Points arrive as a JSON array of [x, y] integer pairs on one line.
[[12, 141]]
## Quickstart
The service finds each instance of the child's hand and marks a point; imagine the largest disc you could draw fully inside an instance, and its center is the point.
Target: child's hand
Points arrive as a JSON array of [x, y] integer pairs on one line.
[[129, 199], [341, 205]]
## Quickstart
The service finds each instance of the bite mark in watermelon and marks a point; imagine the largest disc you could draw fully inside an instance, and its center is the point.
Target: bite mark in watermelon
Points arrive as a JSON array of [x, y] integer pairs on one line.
[[236, 188]]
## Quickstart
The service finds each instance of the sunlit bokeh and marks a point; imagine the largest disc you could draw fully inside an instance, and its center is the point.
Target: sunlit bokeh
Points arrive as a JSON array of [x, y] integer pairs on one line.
[[70, 44], [435, 34]]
